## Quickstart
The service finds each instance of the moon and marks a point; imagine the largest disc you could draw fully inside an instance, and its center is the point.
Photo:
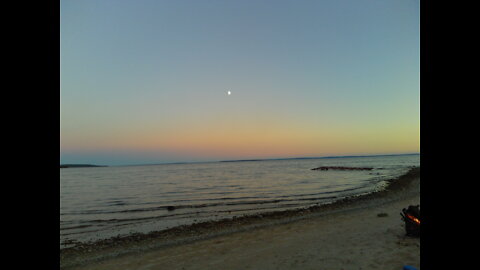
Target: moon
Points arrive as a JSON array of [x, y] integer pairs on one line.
[[229, 93]]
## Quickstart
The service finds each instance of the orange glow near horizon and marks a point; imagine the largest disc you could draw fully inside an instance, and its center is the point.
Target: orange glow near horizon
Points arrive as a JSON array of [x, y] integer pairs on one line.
[[252, 141]]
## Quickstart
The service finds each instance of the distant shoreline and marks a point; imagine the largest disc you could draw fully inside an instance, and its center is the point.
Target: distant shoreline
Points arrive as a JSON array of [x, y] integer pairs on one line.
[[63, 166], [245, 160]]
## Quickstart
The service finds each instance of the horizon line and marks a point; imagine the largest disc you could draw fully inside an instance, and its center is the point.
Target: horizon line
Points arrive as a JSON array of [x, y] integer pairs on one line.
[[245, 160]]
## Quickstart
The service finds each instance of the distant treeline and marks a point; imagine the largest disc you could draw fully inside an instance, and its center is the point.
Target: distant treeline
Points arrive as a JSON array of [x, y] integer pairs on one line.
[[79, 165]]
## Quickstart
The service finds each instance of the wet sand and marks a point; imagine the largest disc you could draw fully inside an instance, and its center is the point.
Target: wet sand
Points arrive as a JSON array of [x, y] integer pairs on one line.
[[349, 234]]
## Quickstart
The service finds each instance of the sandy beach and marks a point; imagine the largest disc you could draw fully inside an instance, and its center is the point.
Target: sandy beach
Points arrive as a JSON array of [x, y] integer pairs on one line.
[[349, 234]]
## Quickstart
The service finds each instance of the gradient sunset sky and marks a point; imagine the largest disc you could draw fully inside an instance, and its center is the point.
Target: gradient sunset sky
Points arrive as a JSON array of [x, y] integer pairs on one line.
[[147, 81]]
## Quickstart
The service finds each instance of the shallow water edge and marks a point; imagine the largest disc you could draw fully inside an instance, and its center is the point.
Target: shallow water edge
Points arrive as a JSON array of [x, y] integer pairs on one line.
[[138, 242]]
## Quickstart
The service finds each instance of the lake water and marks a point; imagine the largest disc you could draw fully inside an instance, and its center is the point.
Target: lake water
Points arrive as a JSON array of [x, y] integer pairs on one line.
[[102, 202]]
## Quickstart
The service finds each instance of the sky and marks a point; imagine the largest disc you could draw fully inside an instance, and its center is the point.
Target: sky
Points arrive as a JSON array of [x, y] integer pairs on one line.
[[146, 81]]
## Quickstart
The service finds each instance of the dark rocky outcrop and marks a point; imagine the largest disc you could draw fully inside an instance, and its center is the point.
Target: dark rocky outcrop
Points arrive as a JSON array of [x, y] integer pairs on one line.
[[326, 168]]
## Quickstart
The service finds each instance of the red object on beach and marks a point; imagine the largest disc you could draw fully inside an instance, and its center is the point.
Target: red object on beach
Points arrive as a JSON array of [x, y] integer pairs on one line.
[[411, 216]]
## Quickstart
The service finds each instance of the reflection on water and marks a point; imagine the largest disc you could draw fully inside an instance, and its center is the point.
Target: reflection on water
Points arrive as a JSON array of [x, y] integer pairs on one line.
[[97, 203]]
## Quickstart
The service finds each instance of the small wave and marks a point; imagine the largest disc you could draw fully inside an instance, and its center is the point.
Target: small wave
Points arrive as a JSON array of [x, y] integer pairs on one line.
[[74, 227], [227, 201], [273, 204]]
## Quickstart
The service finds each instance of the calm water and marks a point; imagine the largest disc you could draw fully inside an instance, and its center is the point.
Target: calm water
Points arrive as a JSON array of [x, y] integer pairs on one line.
[[98, 203]]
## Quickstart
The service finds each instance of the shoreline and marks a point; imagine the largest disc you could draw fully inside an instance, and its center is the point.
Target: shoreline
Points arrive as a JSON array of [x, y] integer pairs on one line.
[[85, 254]]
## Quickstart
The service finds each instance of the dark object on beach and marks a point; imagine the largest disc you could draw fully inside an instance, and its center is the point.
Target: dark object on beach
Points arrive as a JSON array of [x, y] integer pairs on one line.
[[170, 208], [382, 215], [411, 216], [326, 168]]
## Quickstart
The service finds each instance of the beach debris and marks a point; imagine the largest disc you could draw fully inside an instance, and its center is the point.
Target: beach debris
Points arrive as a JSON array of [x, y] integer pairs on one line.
[[342, 168], [382, 215], [170, 208], [411, 216]]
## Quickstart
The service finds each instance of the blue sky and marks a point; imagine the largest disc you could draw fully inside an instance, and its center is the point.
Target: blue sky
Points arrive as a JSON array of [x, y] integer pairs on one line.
[[146, 81]]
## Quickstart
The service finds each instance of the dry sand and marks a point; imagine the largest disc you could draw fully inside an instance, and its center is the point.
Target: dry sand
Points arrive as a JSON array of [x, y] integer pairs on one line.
[[347, 235]]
